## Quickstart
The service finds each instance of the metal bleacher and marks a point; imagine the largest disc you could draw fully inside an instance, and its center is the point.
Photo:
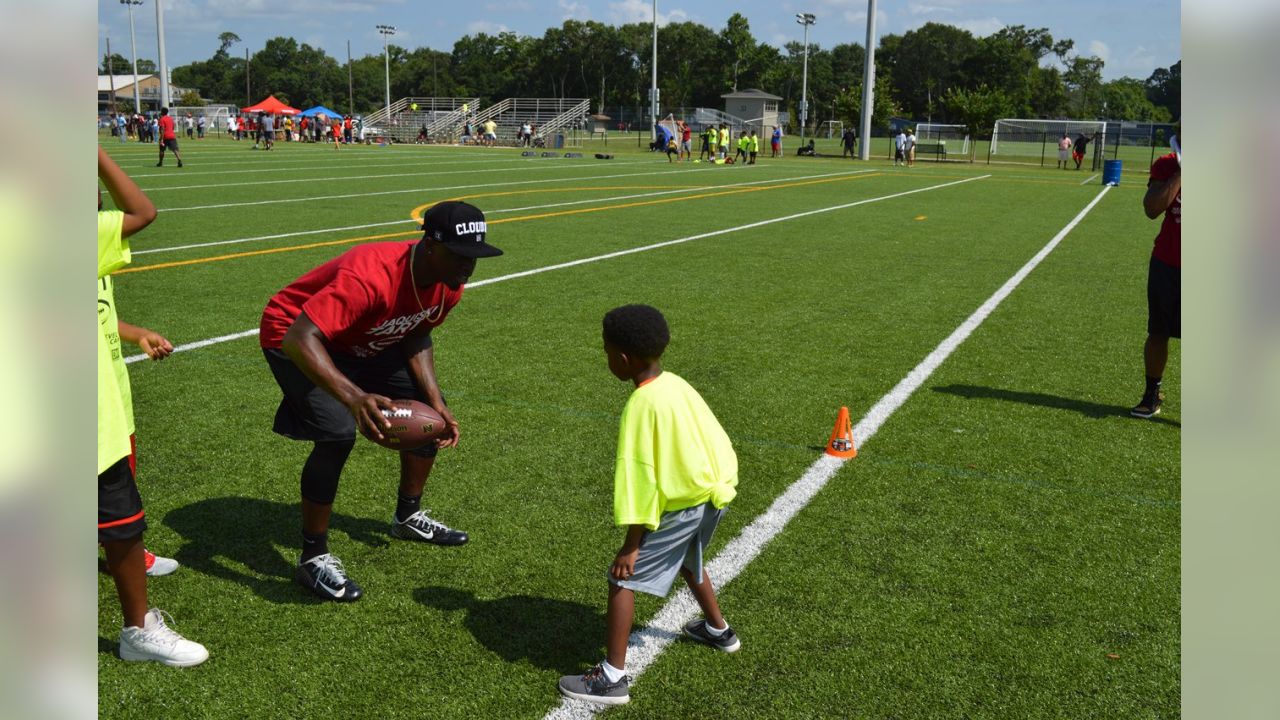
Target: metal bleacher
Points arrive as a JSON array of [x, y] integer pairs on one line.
[[444, 118]]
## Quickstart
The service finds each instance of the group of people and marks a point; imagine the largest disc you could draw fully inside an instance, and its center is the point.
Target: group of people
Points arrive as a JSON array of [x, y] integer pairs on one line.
[[716, 143], [1073, 150], [262, 128], [904, 147], [124, 126], [347, 339]]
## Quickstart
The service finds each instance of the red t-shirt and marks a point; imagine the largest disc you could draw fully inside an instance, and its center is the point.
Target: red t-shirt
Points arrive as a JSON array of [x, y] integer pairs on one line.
[[1168, 248], [362, 301], [166, 128]]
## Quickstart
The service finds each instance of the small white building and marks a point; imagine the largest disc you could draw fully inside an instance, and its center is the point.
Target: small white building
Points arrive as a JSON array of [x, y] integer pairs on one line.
[[757, 107]]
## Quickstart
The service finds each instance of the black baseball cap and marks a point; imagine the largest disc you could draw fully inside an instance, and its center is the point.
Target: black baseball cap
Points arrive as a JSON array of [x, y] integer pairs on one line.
[[461, 227]]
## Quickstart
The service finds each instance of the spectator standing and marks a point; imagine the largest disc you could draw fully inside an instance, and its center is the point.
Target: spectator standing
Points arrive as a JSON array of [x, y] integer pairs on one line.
[[910, 146], [1082, 144], [200, 126], [899, 148], [1064, 150], [775, 141], [1164, 278]]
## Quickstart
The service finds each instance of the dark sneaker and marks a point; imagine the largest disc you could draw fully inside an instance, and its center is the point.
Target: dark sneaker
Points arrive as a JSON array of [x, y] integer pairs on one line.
[[179, 163], [324, 576], [159, 164], [1149, 406], [594, 687], [727, 642], [420, 527]]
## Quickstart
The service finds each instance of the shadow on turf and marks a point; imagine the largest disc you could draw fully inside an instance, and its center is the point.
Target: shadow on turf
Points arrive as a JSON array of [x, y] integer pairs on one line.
[[227, 533], [1084, 407], [550, 634]]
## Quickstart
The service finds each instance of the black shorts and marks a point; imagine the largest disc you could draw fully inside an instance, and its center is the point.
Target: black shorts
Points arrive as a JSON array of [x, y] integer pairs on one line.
[[1164, 299], [308, 412], [171, 144], [269, 135], [120, 515], [897, 153]]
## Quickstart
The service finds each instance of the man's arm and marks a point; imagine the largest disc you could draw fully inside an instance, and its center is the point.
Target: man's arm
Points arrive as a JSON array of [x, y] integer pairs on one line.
[[304, 344], [1160, 195], [155, 345], [624, 564], [419, 351], [128, 197]]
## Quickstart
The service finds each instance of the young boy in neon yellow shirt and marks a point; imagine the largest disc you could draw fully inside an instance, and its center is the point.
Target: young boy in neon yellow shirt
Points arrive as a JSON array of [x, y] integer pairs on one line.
[[676, 471]]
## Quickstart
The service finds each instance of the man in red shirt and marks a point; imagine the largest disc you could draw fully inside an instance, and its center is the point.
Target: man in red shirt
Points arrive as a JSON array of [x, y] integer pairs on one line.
[[1164, 277], [168, 138], [344, 340]]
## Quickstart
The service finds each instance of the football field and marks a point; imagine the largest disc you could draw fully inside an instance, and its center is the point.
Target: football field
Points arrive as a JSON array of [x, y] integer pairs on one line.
[[1005, 544]]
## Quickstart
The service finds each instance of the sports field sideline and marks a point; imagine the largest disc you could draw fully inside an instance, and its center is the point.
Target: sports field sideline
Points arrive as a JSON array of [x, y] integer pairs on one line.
[[1006, 543]]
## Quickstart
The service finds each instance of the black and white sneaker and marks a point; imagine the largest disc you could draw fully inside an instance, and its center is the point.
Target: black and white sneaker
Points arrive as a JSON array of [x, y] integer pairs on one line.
[[324, 576], [1149, 407], [594, 687], [725, 642], [420, 527]]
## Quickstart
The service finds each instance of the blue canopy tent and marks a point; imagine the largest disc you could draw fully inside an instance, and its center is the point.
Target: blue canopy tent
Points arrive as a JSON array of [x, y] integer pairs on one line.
[[320, 110]]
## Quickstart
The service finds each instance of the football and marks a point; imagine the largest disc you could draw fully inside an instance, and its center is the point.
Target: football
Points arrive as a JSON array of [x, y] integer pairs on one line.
[[413, 424]]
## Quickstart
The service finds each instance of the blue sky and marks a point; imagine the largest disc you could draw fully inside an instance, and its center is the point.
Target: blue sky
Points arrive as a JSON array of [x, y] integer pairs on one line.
[[1133, 36]]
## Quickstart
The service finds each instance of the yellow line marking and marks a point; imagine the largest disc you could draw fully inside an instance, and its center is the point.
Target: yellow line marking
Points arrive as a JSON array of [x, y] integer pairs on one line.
[[561, 213]]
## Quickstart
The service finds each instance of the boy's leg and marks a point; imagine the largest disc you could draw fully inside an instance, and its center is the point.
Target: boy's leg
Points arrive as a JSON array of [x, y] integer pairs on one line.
[[622, 605], [705, 593], [128, 565]]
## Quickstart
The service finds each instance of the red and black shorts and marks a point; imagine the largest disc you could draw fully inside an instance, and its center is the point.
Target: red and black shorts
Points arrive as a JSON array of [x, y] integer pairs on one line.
[[120, 514]]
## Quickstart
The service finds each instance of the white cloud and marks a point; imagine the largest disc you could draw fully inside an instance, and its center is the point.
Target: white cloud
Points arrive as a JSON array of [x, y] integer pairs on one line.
[[858, 18], [574, 10], [917, 9], [1099, 49], [484, 26], [631, 11], [981, 27]]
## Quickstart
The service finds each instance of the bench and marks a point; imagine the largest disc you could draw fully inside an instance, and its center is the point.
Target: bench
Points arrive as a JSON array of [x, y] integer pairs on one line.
[[938, 149]]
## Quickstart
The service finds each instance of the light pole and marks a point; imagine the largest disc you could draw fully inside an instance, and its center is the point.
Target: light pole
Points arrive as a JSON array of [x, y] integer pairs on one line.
[[653, 88], [387, 31], [805, 19], [161, 66], [137, 104], [868, 82]]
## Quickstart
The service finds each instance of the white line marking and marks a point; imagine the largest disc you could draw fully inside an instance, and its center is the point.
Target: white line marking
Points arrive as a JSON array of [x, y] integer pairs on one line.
[[1086, 182], [607, 256], [492, 212], [646, 644], [420, 190], [288, 166]]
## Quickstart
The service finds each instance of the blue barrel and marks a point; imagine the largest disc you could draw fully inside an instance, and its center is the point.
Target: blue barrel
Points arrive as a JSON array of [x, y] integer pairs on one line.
[[1111, 172], [559, 141]]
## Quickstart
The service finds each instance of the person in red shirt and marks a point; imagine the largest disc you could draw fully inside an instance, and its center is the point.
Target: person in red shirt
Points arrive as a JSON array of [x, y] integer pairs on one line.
[[1164, 278], [168, 138], [345, 339], [337, 133]]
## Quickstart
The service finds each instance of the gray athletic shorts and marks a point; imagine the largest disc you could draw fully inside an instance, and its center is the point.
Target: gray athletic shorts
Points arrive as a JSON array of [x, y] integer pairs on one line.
[[678, 542]]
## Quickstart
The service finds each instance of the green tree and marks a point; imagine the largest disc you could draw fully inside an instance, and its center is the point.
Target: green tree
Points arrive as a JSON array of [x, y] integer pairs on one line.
[[115, 64], [1164, 88], [978, 109], [1083, 80], [1126, 99], [884, 107], [190, 98], [225, 41], [929, 61]]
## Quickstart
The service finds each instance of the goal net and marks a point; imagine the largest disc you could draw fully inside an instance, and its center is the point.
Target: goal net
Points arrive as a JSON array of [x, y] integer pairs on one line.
[[1036, 141], [954, 137], [215, 116], [832, 129]]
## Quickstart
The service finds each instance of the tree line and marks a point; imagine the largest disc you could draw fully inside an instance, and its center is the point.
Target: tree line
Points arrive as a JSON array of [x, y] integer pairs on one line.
[[937, 71]]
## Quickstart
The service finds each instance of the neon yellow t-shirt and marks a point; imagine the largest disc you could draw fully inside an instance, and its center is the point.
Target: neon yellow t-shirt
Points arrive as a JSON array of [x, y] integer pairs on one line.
[[114, 419], [672, 454], [109, 324], [713, 138], [724, 137], [755, 144]]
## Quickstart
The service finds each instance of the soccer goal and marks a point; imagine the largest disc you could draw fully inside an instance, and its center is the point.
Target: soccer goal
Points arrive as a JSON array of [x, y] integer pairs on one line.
[[832, 129], [1034, 141], [215, 116], [954, 137]]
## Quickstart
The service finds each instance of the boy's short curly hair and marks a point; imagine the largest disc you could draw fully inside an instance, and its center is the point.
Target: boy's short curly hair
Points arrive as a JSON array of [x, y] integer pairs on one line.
[[638, 330]]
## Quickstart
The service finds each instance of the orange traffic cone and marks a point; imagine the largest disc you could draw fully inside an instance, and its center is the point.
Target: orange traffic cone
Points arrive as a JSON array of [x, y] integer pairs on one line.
[[841, 443]]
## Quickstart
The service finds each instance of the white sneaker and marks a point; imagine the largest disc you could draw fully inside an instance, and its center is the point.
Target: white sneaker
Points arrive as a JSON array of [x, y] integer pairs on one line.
[[157, 641], [157, 566]]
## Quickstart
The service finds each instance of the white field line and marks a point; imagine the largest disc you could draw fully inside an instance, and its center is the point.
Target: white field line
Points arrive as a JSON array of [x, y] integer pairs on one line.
[[434, 189], [418, 152], [646, 644], [289, 166], [493, 212], [607, 256], [424, 173], [1091, 177]]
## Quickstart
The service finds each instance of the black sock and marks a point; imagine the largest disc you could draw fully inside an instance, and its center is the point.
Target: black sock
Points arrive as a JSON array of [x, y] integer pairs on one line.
[[314, 545], [406, 506], [1153, 386]]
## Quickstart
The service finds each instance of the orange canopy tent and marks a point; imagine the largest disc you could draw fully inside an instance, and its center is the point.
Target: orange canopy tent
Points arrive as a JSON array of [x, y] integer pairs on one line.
[[271, 106]]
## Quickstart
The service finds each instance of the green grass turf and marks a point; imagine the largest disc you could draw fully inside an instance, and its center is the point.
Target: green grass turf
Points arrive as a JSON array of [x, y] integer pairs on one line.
[[1005, 532]]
